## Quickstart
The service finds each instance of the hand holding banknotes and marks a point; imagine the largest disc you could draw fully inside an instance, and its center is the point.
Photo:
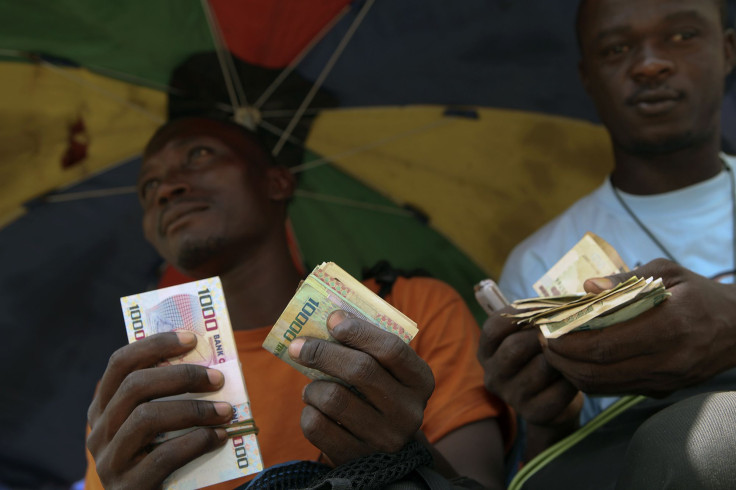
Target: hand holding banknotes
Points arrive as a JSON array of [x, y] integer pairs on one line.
[[517, 371], [682, 342], [391, 385], [124, 421]]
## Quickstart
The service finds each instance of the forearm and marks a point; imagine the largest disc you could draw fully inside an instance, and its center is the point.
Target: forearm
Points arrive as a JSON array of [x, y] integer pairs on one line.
[[540, 437], [475, 451]]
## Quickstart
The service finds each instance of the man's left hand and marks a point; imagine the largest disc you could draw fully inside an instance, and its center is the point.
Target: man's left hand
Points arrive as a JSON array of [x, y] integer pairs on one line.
[[685, 340], [391, 386]]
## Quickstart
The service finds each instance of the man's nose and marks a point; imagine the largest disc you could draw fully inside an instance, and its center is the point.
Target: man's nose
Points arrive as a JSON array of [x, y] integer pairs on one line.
[[652, 66], [171, 188]]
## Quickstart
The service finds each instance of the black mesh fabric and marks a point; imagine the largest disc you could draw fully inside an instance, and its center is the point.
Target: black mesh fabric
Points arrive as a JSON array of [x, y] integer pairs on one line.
[[377, 470], [370, 472]]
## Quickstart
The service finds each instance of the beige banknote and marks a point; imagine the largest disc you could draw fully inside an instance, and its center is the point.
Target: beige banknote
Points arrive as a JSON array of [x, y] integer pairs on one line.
[[564, 307], [641, 296], [590, 257], [326, 289], [199, 307]]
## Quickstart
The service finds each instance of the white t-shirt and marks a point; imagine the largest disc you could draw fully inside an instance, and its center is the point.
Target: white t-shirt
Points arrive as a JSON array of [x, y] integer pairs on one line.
[[695, 224]]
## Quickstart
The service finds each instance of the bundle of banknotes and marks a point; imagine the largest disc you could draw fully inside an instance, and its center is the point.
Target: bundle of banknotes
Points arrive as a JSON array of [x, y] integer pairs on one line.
[[199, 307], [563, 306], [326, 289], [558, 315]]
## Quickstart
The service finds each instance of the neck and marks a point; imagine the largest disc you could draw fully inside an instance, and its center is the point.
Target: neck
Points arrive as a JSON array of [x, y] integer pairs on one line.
[[655, 174], [259, 286]]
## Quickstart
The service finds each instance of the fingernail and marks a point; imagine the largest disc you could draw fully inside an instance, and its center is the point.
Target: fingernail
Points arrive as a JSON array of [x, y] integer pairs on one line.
[[223, 408], [186, 338], [335, 318], [304, 390], [602, 283], [216, 377], [295, 348], [221, 434]]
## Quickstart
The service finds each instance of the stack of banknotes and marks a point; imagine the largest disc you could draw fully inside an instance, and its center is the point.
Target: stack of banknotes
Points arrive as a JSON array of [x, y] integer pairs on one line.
[[558, 315], [563, 306], [199, 307], [326, 289]]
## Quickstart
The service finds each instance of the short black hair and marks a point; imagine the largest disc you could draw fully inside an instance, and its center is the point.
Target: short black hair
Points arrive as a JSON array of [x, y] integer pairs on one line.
[[159, 138], [722, 6]]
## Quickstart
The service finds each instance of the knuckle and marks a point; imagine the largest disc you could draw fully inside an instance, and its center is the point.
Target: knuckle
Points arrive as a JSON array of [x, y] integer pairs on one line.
[[364, 367], [311, 423], [391, 443], [429, 382], [92, 413], [205, 438], [394, 349], [585, 379], [144, 415], [92, 442], [335, 400], [132, 382], [190, 373], [202, 410], [312, 352], [117, 359]]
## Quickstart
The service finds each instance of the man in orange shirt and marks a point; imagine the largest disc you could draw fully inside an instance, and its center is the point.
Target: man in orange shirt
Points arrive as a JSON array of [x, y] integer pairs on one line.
[[215, 205]]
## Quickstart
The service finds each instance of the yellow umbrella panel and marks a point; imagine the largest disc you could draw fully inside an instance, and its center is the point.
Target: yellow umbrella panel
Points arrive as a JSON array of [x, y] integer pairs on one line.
[[486, 178]]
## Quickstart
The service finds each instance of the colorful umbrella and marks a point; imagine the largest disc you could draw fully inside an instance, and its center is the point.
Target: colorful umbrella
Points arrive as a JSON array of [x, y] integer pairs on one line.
[[460, 129]]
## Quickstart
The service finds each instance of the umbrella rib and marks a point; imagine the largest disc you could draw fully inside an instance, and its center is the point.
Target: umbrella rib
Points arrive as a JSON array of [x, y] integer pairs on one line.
[[117, 191], [299, 57], [323, 75], [368, 146], [76, 79], [232, 80], [78, 196], [275, 130], [353, 203]]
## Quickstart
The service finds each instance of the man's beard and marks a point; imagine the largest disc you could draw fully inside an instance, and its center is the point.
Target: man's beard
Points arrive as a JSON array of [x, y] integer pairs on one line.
[[665, 146], [192, 255]]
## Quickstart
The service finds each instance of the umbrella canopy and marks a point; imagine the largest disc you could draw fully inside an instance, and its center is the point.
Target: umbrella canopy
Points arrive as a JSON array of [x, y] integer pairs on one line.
[[460, 127]]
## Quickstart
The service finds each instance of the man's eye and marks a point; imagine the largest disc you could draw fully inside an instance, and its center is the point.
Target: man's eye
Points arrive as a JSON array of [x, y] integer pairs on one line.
[[681, 36], [614, 50], [198, 153], [148, 187]]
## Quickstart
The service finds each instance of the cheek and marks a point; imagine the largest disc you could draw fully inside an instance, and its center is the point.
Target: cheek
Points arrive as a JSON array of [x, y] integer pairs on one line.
[[149, 227]]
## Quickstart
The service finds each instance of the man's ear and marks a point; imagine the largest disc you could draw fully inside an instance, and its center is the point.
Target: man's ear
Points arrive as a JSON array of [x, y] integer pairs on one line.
[[729, 47], [281, 183], [583, 74]]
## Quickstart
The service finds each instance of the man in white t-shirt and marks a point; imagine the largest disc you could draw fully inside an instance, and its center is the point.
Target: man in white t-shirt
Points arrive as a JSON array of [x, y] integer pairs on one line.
[[656, 71]]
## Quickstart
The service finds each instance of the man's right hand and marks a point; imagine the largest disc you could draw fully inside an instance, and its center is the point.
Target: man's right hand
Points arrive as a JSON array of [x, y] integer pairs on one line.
[[517, 371], [124, 421]]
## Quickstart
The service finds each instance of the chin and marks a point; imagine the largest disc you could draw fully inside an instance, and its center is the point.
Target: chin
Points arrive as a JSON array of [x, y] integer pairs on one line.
[[199, 258], [666, 144]]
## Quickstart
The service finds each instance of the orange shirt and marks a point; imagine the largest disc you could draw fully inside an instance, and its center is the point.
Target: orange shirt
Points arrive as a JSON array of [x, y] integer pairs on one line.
[[447, 341]]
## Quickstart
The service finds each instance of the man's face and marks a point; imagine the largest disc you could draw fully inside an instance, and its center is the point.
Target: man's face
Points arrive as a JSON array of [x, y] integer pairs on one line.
[[203, 201], [655, 70]]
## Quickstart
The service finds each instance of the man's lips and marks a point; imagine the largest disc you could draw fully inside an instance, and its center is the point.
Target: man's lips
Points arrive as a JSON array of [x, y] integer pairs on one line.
[[178, 210], [652, 102]]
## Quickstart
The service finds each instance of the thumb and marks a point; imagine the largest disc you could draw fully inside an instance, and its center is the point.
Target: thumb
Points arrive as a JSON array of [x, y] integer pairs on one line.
[[669, 271], [596, 285]]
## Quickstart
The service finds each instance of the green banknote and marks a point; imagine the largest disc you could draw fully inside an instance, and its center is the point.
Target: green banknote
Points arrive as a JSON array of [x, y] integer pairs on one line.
[[329, 288]]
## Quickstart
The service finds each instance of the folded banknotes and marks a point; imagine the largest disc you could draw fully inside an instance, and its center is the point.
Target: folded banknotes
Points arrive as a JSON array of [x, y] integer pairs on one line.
[[326, 289], [563, 306], [199, 307]]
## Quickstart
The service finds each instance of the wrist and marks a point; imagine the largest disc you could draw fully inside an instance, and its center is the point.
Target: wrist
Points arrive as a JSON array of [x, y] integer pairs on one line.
[[541, 436]]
